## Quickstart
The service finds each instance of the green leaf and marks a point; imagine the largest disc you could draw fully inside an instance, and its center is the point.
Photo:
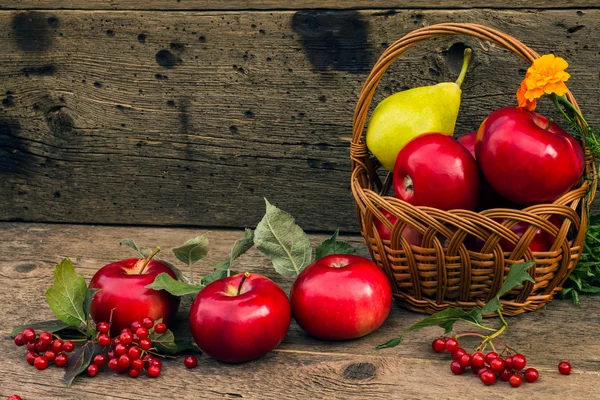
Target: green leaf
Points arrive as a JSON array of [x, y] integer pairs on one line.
[[220, 272], [187, 345], [516, 276], [164, 342], [491, 306], [173, 268], [80, 360], [333, 246], [67, 294], [390, 343], [444, 319], [193, 250], [142, 252], [166, 282], [54, 326], [87, 303], [283, 242]]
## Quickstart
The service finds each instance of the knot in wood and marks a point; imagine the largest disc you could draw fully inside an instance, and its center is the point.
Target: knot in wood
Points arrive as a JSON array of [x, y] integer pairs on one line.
[[359, 371]]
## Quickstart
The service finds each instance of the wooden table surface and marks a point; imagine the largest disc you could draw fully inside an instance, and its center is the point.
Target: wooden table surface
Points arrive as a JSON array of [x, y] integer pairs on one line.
[[302, 367]]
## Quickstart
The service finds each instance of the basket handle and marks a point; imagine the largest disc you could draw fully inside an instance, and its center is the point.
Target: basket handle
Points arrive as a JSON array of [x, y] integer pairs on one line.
[[358, 148]]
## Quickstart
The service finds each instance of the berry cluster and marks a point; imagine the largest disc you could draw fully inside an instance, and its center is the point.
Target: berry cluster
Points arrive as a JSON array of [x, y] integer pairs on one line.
[[130, 351], [44, 349], [489, 367]]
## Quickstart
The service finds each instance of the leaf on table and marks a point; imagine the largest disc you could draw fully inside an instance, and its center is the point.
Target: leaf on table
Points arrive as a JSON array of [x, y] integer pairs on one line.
[[283, 242], [142, 252], [164, 342], [80, 360], [54, 326], [193, 250], [333, 246], [220, 272], [67, 294], [87, 303], [164, 281], [444, 319], [516, 276], [390, 343], [187, 345]]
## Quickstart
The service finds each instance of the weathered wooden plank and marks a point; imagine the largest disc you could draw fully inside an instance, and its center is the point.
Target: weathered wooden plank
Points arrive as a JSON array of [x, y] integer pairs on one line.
[[202, 5], [301, 367], [192, 118]]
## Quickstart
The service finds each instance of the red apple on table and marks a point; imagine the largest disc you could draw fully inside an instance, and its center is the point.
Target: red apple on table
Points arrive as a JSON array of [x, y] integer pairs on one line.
[[434, 170], [240, 318], [527, 158], [412, 236], [341, 297], [123, 288]]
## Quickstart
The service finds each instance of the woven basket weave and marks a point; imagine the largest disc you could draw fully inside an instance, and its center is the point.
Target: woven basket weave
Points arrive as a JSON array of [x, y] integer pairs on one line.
[[444, 273]]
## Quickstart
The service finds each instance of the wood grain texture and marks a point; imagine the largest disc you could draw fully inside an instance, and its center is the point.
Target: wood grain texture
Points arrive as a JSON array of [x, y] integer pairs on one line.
[[186, 118], [203, 5], [301, 367]]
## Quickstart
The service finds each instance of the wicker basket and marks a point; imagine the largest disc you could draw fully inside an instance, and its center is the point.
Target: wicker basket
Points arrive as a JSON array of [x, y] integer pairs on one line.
[[436, 276]]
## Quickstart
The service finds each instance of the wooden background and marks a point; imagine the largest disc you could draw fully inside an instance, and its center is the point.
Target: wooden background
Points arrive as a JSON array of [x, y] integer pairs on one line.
[[189, 112]]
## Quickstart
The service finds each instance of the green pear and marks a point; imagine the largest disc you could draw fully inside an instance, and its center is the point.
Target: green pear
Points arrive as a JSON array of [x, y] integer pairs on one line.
[[405, 115]]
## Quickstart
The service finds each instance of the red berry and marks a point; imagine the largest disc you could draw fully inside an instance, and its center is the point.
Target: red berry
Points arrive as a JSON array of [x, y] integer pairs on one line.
[[121, 370], [40, 347], [477, 360], [15, 397], [456, 368], [19, 341], [438, 345], [157, 362], [482, 370], [564, 368], [137, 364], [102, 327], [30, 357], [134, 373], [28, 335], [68, 346], [508, 362], [518, 362], [92, 370], [46, 338], [475, 369], [456, 355], [515, 380], [497, 364], [124, 361], [142, 332], [147, 359], [120, 349], [126, 330], [116, 340], [61, 360], [136, 338], [153, 371], [506, 374], [135, 326], [99, 360], [50, 355], [148, 323], [192, 362], [126, 338], [134, 352], [113, 364], [145, 344], [57, 345], [487, 377], [465, 360], [451, 345], [40, 363], [490, 356], [104, 340], [161, 328], [30, 346], [531, 375], [111, 354]]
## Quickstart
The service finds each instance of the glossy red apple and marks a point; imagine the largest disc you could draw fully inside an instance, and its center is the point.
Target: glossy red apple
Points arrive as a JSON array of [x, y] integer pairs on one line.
[[435, 170], [542, 240], [341, 297], [468, 142], [526, 158], [240, 318], [412, 236], [123, 288]]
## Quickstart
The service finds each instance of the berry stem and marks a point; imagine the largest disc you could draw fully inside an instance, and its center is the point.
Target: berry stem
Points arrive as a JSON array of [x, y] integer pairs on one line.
[[246, 275], [160, 355], [150, 257]]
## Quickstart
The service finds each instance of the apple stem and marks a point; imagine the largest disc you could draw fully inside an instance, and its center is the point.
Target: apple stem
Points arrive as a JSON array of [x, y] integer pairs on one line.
[[550, 121], [150, 257], [465, 66], [246, 275]]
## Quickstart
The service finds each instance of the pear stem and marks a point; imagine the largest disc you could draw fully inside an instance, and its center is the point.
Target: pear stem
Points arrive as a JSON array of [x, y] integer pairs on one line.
[[465, 66], [150, 257]]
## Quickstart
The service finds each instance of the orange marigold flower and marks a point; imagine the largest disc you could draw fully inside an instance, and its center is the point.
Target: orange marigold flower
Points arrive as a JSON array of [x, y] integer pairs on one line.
[[523, 102], [545, 76]]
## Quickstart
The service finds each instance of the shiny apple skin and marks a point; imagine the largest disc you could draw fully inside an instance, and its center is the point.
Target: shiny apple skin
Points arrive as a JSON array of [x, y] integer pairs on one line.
[[523, 161], [444, 174], [128, 295], [412, 236], [341, 302], [468, 142], [238, 328]]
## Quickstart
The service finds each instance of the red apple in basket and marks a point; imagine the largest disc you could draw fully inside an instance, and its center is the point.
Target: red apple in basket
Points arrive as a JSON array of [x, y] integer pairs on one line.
[[341, 297], [412, 236], [123, 288], [435, 170], [527, 158], [240, 318]]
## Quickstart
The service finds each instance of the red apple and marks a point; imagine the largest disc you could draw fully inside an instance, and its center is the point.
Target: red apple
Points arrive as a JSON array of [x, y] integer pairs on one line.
[[240, 318], [123, 288], [542, 240], [412, 236], [527, 158], [468, 142], [341, 297], [435, 170]]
